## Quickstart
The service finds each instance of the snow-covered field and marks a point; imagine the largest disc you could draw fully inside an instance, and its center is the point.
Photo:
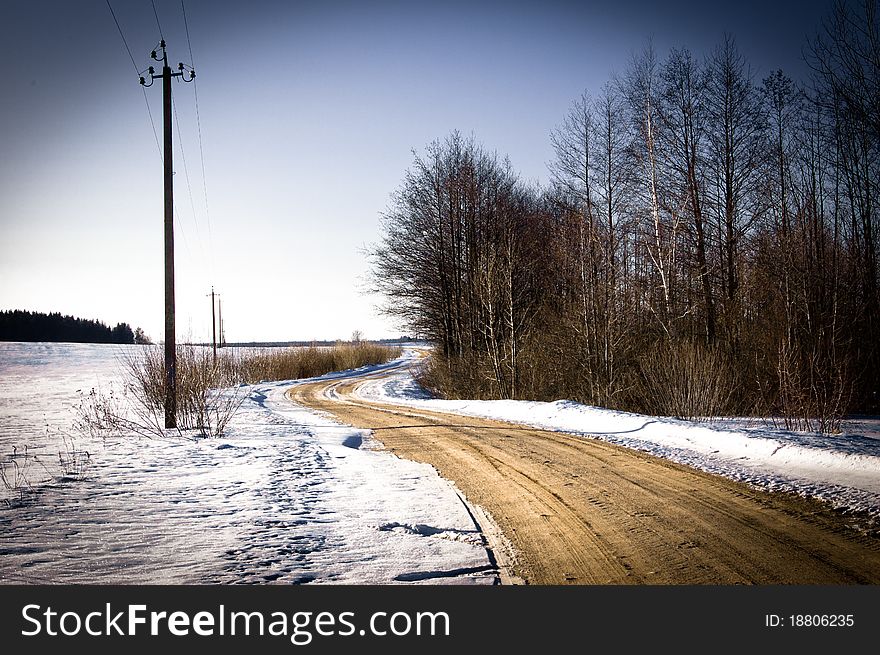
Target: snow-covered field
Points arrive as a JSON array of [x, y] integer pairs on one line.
[[842, 469], [285, 496]]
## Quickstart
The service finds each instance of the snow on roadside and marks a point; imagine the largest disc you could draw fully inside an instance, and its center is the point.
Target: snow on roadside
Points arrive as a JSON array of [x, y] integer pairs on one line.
[[841, 469], [286, 496]]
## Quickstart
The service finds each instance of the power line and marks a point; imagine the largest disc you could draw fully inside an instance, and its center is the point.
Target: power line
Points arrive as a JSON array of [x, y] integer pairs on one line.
[[201, 148], [127, 49], [156, 14], [146, 100], [134, 65], [192, 61], [188, 185], [152, 123]]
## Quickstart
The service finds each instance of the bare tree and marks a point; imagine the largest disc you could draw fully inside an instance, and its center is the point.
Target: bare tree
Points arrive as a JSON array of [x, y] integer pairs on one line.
[[736, 136], [684, 115], [658, 220]]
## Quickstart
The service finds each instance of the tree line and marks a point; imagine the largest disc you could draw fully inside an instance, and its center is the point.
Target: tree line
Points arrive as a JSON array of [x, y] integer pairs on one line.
[[707, 243], [18, 325]]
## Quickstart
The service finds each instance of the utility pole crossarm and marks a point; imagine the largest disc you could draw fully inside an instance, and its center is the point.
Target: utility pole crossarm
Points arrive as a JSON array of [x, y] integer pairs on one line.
[[170, 337], [182, 69]]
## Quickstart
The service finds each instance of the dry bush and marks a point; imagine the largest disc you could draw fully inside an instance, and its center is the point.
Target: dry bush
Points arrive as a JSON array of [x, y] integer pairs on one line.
[[203, 407], [466, 377], [686, 380], [207, 396], [815, 389], [439, 376]]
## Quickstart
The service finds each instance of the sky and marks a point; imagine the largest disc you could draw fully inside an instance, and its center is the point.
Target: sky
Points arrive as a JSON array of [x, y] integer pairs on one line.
[[309, 113]]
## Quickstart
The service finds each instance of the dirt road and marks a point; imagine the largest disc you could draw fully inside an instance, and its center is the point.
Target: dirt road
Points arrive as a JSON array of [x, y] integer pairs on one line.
[[581, 511]]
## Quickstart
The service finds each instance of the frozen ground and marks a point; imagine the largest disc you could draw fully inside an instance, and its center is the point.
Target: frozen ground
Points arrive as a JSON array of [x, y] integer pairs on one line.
[[843, 469], [286, 496]]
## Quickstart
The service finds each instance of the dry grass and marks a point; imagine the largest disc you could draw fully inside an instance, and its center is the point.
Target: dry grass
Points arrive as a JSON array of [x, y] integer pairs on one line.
[[22, 469], [296, 363], [207, 393]]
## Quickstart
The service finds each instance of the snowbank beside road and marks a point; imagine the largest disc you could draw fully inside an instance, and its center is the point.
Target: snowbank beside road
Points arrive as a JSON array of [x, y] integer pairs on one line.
[[842, 469]]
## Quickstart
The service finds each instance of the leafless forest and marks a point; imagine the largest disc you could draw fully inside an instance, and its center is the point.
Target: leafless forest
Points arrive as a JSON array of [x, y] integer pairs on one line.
[[707, 245]]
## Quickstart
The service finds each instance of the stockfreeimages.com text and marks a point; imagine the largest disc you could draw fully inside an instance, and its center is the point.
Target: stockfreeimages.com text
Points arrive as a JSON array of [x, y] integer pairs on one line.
[[300, 627]]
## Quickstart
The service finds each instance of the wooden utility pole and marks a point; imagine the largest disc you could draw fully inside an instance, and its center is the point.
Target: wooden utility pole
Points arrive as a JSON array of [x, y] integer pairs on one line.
[[220, 317], [170, 338], [213, 326]]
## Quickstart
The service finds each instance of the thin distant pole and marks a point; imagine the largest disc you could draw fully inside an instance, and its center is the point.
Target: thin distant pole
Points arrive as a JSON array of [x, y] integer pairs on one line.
[[213, 326], [220, 317]]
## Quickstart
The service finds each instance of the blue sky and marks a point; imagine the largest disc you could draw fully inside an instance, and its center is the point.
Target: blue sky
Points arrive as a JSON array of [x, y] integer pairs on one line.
[[309, 113]]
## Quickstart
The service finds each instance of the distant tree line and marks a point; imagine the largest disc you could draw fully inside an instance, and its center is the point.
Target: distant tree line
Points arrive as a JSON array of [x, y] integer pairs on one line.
[[18, 325], [708, 243]]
